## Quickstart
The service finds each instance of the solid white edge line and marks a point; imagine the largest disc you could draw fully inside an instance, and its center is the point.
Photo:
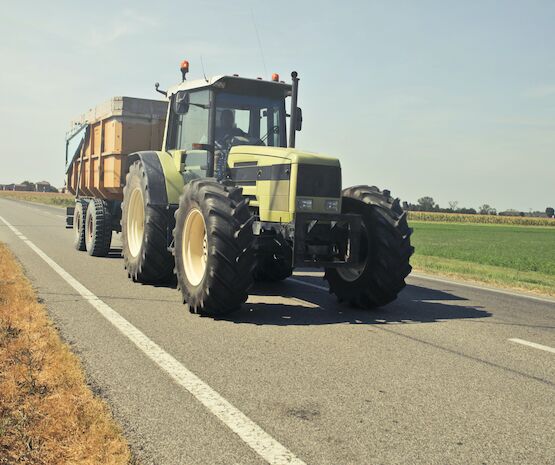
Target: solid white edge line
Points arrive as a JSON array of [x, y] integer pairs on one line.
[[533, 344], [253, 435]]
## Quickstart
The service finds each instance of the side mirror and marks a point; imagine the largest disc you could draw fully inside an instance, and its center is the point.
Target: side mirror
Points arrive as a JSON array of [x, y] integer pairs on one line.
[[299, 122], [181, 102]]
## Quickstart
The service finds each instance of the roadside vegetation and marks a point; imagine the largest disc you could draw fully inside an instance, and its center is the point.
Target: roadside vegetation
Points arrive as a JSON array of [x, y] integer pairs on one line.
[[514, 256], [48, 415], [509, 251], [480, 219], [48, 198]]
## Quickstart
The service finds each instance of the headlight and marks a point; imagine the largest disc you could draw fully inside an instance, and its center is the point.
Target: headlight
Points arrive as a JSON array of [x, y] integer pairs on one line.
[[332, 205], [304, 204]]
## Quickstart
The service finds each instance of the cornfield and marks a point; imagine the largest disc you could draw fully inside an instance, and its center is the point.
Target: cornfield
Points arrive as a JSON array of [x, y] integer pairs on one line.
[[480, 219]]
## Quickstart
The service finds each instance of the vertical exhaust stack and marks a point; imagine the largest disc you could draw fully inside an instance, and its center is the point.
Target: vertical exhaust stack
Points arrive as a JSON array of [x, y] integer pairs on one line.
[[293, 120]]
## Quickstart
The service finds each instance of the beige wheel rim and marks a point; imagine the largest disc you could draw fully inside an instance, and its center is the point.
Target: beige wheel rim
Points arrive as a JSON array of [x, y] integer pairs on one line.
[[194, 247], [135, 222], [352, 273]]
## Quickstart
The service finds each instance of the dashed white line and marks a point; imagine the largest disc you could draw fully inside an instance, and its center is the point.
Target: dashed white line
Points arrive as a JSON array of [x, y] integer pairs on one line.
[[253, 435], [533, 344]]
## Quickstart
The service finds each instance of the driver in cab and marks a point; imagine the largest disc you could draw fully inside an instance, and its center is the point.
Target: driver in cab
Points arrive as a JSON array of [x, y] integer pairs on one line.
[[227, 129]]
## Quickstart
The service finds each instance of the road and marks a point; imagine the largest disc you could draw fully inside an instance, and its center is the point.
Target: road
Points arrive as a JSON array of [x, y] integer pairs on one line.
[[447, 374]]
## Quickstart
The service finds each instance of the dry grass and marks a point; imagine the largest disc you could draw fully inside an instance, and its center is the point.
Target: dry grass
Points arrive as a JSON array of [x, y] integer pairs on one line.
[[480, 219], [48, 198], [48, 415]]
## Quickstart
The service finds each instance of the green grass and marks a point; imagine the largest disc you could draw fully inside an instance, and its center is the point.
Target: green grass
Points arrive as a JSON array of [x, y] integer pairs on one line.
[[513, 256]]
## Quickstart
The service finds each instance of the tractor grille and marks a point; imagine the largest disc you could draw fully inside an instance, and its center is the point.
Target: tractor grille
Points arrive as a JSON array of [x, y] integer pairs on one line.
[[319, 181]]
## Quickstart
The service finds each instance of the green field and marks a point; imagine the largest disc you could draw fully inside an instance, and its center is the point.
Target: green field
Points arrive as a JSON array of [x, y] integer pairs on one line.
[[513, 256]]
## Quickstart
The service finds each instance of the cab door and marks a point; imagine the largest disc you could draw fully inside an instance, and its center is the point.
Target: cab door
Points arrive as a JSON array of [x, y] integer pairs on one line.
[[188, 135]]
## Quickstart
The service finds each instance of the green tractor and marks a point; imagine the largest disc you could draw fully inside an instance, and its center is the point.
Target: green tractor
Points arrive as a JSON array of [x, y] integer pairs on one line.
[[230, 200]]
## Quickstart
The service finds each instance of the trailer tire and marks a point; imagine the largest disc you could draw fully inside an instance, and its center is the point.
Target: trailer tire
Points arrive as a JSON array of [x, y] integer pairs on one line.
[[98, 228], [79, 221], [144, 226], [385, 248], [214, 255]]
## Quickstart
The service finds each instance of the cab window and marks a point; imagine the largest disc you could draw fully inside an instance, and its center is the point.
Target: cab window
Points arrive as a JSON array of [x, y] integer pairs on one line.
[[191, 127]]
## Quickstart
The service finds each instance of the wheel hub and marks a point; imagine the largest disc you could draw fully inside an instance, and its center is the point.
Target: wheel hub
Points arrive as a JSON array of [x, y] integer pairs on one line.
[[352, 273], [194, 249], [135, 221]]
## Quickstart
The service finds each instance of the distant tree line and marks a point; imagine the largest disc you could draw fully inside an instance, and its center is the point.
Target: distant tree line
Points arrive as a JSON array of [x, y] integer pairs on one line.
[[28, 186], [427, 204]]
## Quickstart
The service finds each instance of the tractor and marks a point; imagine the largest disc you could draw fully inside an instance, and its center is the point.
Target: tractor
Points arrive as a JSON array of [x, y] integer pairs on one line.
[[229, 200]]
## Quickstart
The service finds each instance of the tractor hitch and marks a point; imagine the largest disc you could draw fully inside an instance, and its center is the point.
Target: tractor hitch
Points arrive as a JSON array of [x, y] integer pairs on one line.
[[326, 240]]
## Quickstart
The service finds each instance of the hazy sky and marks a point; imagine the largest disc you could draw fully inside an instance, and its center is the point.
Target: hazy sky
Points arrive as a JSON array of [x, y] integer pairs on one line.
[[444, 98]]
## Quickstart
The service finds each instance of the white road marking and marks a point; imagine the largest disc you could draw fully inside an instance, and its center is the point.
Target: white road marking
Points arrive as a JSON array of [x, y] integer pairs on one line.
[[482, 288], [253, 435], [533, 344], [298, 281]]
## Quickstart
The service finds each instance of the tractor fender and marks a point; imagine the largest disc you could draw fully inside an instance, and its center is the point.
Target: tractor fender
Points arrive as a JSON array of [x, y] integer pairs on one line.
[[159, 166]]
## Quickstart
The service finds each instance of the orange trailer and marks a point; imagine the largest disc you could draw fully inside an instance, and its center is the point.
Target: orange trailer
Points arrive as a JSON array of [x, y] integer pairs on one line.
[[100, 140]]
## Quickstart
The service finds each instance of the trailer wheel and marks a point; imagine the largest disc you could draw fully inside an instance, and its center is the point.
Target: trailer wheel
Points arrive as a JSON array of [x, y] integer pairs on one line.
[[385, 250], [98, 228], [213, 251], [79, 221], [144, 229]]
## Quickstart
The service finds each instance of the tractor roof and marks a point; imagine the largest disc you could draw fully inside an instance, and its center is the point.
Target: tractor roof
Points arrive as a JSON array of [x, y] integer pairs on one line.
[[236, 84]]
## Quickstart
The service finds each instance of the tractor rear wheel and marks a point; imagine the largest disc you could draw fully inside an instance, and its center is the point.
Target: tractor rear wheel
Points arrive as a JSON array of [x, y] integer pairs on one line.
[[385, 250], [213, 250], [98, 228], [79, 221], [144, 229]]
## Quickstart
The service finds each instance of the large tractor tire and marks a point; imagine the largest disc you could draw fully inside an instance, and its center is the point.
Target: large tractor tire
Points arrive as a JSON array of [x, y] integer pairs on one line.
[[385, 250], [79, 222], [144, 227], [98, 228], [214, 255], [275, 265]]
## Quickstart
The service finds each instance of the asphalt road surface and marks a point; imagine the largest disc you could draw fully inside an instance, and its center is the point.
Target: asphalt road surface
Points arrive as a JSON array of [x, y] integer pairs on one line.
[[448, 374]]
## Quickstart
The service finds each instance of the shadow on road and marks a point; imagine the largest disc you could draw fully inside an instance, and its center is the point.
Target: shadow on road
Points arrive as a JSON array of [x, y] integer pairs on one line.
[[289, 303], [270, 304]]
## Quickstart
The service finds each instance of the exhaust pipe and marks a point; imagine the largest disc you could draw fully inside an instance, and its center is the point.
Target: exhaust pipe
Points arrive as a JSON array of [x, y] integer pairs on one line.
[[293, 119]]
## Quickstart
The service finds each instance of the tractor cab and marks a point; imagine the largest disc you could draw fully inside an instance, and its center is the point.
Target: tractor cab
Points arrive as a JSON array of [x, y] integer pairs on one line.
[[207, 117]]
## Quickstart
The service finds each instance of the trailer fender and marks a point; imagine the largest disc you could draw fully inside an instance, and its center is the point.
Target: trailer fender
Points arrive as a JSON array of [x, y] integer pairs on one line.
[[160, 165]]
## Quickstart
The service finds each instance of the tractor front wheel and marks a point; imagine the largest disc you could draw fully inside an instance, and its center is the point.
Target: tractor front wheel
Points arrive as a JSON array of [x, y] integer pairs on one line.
[[385, 250], [213, 247]]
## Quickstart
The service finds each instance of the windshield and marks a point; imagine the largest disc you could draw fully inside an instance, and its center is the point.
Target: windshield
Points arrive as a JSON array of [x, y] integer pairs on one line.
[[252, 120]]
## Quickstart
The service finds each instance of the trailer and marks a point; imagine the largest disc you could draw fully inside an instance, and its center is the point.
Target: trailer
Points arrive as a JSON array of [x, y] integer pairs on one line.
[[97, 149]]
